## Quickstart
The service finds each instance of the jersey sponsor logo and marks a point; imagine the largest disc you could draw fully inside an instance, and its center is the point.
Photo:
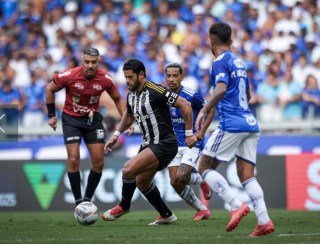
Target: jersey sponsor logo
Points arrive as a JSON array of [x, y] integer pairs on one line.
[[238, 63], [80, 109], [178, 120], [140, 118], [72, 138], [100, 134], [75, 98], [97, 87], [220, 75], [79, 86], [64, 74], [94, 99]]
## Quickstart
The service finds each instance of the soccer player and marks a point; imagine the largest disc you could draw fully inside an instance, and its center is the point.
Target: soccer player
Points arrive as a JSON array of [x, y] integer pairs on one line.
[[81, 118], [183, 168], [149, 105], [237, 134]]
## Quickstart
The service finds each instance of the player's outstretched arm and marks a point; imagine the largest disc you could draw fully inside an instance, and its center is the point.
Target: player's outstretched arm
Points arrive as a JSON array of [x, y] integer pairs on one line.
[[126, 121], [208, 120], [218, 93], [186, 111]]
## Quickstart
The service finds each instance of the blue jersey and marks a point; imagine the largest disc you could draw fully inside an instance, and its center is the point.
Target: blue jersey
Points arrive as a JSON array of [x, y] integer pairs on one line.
[[234, 113], [197, 102]]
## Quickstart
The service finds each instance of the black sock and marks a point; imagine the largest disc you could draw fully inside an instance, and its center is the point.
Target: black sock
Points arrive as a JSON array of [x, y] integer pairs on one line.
[[154, 197], [128, 187], [93, 181], [75, 183]]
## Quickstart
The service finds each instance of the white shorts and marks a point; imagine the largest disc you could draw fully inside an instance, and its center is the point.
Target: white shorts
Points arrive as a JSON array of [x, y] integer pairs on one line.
[[187, 156], [224, 146]]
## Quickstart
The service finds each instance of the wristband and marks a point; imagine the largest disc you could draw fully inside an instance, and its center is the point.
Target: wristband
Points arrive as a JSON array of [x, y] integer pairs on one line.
[[189, 132], [51, 110], [117, 133]]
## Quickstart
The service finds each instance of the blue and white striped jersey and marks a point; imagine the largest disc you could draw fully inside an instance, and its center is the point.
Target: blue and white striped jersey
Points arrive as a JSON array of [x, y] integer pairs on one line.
[[197, 102], [234, 113]]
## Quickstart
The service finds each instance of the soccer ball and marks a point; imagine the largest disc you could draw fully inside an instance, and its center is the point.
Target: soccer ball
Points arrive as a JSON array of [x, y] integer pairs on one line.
[[86, 213]]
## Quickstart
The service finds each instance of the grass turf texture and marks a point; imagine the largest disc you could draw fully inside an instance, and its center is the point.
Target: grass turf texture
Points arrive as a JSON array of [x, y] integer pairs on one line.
[[61, 227]]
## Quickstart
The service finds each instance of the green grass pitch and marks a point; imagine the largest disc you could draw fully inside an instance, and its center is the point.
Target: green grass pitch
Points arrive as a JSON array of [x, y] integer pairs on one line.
[[61, 227]]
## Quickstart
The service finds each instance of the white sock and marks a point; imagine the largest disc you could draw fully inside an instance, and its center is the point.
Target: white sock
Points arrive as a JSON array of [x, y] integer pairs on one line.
[[220, 186], [190, 198], [255, 193], [195, 179]]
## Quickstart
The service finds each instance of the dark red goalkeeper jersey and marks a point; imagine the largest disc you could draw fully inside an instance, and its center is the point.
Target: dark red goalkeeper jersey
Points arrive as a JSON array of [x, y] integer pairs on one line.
[[82, 95]]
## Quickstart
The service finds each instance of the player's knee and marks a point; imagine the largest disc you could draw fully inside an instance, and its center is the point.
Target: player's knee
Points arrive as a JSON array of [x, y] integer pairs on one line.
[[245, 174], [74, 162], [183, 178], [98, 165], [127, 172], [174, 181]]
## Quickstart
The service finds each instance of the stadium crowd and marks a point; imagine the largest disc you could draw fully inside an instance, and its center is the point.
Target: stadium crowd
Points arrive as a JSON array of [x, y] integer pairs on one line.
[[278, 39]]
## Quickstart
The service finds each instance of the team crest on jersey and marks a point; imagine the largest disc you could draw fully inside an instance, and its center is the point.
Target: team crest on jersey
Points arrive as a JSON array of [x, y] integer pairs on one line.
[[97, 87], [94, 99], [251, 120], [75, 98], [79, 86], [173, 111]]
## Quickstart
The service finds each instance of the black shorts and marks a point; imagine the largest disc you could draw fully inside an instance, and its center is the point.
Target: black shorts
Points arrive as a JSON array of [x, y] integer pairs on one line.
[[75, 128], [164, 151]]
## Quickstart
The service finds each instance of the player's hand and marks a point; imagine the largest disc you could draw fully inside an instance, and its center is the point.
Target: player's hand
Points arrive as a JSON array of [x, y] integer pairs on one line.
[[191, 140], [200, 120], [200, 135], [53, 123], [130, 130], [110, 143]]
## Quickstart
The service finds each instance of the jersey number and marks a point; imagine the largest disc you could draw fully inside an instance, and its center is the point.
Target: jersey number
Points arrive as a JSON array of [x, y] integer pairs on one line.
[[243, 101]]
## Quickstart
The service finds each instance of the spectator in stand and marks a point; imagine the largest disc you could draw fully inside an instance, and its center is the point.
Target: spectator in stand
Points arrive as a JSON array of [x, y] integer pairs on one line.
[[11, 101], [289, 97], [268, 93], [311, 98], [34, 114], [301, 69]]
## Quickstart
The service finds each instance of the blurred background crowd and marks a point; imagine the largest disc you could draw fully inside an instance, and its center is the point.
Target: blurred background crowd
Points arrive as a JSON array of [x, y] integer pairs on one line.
[[279, 40]]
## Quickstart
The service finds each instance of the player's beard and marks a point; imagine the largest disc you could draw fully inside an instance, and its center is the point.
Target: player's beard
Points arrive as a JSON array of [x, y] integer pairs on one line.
[[90, 75], [135, 86]]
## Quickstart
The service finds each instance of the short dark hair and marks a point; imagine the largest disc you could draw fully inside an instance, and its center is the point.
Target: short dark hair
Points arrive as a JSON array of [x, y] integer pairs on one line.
[[222, 31], [174, 65], [135, 65], [91, 51]]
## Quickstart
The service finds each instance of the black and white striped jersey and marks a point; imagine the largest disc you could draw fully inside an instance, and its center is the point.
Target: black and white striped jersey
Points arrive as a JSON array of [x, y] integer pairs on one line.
[[151, 109]]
